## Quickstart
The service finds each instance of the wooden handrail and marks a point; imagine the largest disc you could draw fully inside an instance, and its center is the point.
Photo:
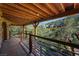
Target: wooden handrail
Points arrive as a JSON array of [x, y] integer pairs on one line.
[[57, 41]]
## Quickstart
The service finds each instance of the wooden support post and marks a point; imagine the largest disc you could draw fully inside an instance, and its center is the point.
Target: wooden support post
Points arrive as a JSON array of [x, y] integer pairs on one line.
[[26, 33], [22, 33], [4, 26], [9, 32], [30, 43], [35, 28]]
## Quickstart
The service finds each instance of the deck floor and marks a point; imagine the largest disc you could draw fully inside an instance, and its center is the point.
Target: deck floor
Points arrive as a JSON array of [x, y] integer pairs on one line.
[[12, 48]]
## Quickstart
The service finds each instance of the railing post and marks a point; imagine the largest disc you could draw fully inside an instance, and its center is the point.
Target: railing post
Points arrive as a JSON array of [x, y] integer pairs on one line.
[[30, 43], [40, 50], [72, 49]]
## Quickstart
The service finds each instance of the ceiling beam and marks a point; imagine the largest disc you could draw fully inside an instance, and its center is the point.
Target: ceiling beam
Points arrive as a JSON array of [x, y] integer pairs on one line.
[[8, 7], [30, 10], [15, 19], [34, 9], [62, 7], [18, 15], [20, 7], [59, 7], [44, 8], [76, 5], [18, 21], [12, 16], [53, 9], [67, 13], [12, 11]]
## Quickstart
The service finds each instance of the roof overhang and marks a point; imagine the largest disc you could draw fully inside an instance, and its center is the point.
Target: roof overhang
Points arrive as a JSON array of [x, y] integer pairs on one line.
[[28, 13]]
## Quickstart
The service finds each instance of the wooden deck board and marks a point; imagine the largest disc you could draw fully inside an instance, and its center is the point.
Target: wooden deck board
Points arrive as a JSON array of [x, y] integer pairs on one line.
[[12, 48]]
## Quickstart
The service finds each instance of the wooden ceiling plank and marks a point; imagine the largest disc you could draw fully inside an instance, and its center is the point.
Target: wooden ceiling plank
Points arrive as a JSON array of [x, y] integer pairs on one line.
[[17, 10], [12, 16], [9, 19], [23, 9], [18, 14], [74, 5], [62, 7], [43, 8], [52, 8], [59, 7], [19, 21], [34, 9], [15, 19], [14, 10], [27, 21], [30, 8]]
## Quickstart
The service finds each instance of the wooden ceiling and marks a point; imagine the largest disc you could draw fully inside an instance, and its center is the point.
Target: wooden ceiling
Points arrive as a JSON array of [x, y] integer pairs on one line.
[[27, 13]]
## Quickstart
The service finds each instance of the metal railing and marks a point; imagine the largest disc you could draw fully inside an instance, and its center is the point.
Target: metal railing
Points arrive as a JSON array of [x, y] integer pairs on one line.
[[38, 46]]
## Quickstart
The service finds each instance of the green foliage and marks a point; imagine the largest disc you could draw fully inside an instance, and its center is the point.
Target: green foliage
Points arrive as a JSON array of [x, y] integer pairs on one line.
[[70, 26], [15, 30]]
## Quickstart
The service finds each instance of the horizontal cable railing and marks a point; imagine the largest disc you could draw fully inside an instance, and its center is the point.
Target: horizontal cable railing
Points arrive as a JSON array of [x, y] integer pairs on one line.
[[39, 47], [57, 41], [44, 44]]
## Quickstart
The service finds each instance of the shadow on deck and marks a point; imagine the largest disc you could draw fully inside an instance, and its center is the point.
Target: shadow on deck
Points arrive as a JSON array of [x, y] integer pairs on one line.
[[12, 48]]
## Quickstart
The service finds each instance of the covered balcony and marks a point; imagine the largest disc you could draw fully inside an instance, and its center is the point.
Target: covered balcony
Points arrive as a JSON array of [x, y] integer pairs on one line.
[[61, 39]]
